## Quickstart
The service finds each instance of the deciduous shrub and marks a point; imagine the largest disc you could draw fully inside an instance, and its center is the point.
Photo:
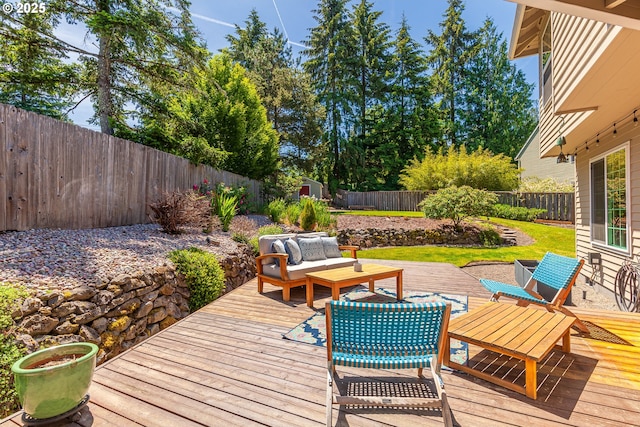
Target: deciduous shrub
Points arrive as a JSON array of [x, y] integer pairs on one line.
[[175, 210], [458, 203], [308, 219], [243, 229], [479, 169], [276, 209], [292, 213], [203, 275], [10, 297], [534, 184], [517, 213]]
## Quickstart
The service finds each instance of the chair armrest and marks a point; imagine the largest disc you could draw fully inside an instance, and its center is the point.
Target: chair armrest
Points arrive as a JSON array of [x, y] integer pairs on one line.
[[283, 263], [353, 250]]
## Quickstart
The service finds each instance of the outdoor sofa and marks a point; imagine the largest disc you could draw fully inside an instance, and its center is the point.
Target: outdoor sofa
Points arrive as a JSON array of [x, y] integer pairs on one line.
[[285, 259]]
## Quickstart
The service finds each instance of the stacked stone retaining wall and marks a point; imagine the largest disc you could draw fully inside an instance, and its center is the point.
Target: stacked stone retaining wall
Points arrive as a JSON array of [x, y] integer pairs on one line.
[[121, 311], [374, 237]]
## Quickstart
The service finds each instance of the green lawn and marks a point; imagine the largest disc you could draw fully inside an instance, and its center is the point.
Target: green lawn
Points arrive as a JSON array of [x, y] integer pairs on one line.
[[547, 238]]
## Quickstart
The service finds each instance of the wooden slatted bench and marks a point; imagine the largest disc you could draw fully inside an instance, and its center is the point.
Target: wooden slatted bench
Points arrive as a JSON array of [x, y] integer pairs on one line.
[[524, 333]]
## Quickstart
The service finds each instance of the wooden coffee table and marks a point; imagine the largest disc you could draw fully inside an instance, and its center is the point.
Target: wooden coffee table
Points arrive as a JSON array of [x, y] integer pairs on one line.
[[524, 333], [338, 278]]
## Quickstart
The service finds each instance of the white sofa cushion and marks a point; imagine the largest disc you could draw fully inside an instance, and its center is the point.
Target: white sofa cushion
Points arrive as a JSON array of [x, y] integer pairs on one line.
[[339, 262]]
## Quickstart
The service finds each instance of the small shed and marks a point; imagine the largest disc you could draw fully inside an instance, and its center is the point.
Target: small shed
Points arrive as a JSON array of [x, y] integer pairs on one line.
[[310, 188]]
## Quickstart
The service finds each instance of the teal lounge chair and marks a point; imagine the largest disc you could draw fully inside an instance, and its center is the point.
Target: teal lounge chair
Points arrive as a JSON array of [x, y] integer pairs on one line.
[[387, 336], [556, 271]]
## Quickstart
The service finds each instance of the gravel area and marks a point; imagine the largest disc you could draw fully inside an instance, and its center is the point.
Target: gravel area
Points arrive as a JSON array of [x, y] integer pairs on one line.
[[69, 258]]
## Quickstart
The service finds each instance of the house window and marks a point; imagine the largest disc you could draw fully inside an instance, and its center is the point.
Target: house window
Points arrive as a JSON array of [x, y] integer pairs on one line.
[[546, 61], [609, 199]]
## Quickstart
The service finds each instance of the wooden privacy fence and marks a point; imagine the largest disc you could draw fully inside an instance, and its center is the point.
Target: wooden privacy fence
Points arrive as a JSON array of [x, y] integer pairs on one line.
[[559, 206], [58, 175]]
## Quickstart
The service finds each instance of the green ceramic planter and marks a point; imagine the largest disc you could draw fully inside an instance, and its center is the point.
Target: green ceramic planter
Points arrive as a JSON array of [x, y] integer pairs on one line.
[[46, 392]]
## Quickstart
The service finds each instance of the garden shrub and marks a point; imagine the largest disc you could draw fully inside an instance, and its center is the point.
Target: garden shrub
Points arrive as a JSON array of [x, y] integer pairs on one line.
[[175, 210], [323, 217], [293, 212], [11, 297], [479, 169], [533, 184], [458, 203], [516, 212], [243, 229], [225, 207], [276, 209], [203, 275], [308, 215], [490, 237]]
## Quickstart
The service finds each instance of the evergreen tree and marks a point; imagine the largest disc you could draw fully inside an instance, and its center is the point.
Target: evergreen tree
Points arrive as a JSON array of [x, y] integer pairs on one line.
[[221, 122], [328, 54], [140, 44], [368, 72], [448, 59], [409, 122], [284, 89], [34, 75], [500, 113]]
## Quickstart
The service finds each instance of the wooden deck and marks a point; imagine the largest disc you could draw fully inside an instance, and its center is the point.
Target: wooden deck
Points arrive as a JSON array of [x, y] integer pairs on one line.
[[228, 365]]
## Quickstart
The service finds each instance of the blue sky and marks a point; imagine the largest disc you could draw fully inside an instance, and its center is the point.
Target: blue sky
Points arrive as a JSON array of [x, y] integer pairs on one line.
[[215, 19]]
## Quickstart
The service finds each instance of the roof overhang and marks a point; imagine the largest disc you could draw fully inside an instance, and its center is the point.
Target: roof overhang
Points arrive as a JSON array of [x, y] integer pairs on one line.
[[525, 37], [624, 13]]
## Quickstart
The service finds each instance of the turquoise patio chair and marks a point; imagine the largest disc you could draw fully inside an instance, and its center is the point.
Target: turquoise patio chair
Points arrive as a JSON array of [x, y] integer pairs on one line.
[[387, 336], [557, 272]]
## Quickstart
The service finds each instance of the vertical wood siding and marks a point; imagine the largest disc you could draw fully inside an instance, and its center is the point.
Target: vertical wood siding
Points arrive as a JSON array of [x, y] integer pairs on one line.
[[59, 175]]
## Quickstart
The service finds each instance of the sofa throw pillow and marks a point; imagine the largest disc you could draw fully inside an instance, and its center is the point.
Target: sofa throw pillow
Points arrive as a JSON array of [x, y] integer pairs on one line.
[[292, 248], [277, 247], [312, 249], [331, 248]]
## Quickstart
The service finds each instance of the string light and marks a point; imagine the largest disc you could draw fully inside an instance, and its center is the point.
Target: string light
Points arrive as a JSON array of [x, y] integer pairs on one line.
[[614, 134], [615, 131], [635, 119], [586, 145], [598, 140]]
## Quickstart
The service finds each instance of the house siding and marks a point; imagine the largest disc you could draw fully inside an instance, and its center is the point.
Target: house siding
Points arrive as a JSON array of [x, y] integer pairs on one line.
[[612, 260], [577, 44], [534, 166]]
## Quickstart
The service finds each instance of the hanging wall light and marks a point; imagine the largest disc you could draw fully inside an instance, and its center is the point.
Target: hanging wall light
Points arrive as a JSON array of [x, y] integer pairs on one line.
[[561, 157]]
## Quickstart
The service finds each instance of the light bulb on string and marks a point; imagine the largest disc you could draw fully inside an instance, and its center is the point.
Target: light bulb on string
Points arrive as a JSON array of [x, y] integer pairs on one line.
[[635, 119], [615, 131]]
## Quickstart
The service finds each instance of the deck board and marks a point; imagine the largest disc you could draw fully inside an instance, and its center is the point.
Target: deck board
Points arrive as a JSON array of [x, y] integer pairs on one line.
[[227, 364]]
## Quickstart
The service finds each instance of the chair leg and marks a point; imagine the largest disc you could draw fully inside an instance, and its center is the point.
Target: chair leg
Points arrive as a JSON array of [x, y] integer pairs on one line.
[[286, 293], [260, 285], [446, 411], [329, 397], [578, 325]]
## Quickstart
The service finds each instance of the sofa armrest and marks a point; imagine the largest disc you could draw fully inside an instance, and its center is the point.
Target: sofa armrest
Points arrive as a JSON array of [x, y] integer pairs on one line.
[[353, 250], [283, 262]]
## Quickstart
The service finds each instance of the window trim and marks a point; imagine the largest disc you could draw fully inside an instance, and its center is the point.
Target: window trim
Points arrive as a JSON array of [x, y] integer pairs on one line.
[[605, 245]]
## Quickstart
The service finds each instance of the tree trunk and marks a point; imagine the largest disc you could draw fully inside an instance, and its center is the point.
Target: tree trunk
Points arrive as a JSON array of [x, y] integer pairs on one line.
[[105, 103]]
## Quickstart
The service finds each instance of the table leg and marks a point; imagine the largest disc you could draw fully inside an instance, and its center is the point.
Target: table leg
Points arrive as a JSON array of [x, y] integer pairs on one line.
[[531, 379], [399, 285], [335, 292], [371, 285], [309, 291], [566, 341]]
